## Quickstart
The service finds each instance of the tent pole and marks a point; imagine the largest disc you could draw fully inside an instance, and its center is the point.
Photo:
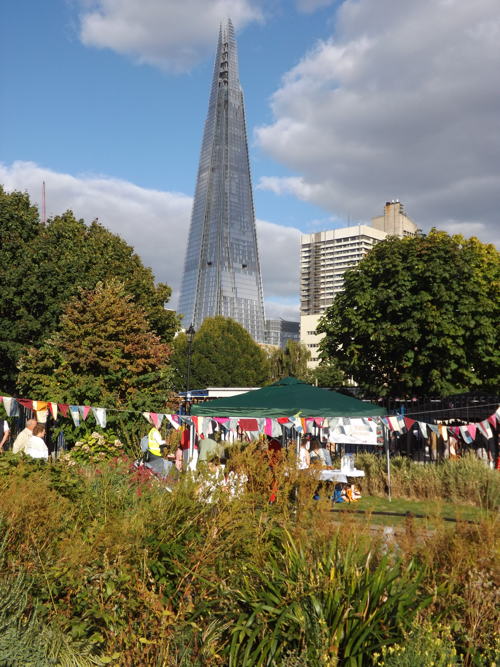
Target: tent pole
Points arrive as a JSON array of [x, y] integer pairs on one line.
[[388, 456]]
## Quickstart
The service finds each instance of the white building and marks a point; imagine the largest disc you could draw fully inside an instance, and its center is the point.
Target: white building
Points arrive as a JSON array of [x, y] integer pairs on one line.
[[324, 258]]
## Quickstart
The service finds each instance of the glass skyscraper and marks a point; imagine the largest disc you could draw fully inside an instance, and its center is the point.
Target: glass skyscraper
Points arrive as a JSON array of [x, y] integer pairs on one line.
[[222, 270]]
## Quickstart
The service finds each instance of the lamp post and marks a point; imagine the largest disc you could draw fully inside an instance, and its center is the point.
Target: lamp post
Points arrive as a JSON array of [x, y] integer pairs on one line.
[[190, 335]]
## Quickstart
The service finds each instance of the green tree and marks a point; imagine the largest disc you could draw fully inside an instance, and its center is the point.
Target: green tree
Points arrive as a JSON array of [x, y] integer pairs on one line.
[[290, 361], [103, 353], [223, 355], [326, 374], [419, 316], [42, 266]]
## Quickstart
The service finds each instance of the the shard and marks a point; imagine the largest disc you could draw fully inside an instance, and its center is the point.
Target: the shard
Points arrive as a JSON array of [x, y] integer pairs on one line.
[[222, 270]]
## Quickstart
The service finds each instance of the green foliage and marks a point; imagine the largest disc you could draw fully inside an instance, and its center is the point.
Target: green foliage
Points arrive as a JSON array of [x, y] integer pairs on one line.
[[326, 374], [223, 355], [290, 361], [124, 572], [103, 353], [464, 480], [423, 646], [419, 316], [332, 606], [43, 266], [95, 448]]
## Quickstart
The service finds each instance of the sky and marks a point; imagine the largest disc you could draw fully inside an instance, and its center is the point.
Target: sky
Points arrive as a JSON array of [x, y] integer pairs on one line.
[[348, 103]]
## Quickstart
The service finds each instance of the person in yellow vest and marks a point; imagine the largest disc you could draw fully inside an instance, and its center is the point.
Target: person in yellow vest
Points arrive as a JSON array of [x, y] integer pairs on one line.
[[152, 445]]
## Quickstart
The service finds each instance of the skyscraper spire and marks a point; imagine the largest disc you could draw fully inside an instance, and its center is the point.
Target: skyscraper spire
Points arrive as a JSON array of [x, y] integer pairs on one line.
[[222, 270]]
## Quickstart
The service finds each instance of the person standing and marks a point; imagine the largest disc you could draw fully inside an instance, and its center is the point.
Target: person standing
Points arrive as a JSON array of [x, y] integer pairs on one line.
[[304, 459], [19, 446], [36, 447], [4, 433]]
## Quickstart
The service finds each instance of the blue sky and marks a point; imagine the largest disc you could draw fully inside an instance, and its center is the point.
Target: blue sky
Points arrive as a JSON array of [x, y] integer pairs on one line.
[[348, 104]]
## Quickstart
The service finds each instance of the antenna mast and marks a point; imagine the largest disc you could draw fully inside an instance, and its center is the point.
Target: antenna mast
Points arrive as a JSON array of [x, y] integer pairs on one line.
[[44, 212]]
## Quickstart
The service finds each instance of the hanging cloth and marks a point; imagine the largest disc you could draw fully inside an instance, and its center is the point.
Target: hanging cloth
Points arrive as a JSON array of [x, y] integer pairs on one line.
[[100, 416]]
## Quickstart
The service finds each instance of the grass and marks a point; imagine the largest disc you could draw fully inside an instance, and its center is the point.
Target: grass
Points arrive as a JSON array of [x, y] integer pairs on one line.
[[431, 509]]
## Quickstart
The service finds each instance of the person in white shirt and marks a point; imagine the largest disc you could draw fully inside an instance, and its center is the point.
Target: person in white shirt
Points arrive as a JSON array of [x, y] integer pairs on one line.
[[4, 433], [21, 441], [304, 459], [36, 447]]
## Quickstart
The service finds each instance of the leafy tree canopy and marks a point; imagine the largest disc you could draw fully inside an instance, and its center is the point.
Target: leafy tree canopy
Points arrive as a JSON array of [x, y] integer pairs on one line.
[[103, 353], [223, 355], [44, 265], [290, 361], [326, 374], [419, 316]]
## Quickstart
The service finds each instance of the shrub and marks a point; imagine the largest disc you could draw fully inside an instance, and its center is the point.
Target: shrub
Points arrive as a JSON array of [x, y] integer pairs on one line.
[[95, 448]]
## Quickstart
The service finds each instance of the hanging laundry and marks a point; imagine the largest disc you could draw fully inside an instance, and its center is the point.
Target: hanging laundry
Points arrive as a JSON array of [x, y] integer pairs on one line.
[[100, 416]]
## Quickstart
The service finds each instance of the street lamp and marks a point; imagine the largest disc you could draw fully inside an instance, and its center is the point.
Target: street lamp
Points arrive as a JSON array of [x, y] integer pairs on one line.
[[190, 335]]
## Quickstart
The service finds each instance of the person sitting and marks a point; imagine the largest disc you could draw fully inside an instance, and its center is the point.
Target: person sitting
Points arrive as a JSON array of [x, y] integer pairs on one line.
[[356, 493], [339, 494]]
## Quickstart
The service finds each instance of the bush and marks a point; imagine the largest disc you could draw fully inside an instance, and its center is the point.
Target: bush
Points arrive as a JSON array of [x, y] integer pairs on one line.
[[465, 480]]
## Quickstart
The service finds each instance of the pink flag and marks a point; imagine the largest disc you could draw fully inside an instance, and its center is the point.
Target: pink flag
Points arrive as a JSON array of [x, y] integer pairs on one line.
[[472, 428]]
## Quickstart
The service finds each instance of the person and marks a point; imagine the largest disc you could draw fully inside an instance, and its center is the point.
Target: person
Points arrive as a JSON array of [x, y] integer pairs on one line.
[[315, 453], [208, 447], [19, 446], [178, 457], [304, 459], [153, 456], [36, 447], [324, 452], [339, 494], [4, 433]]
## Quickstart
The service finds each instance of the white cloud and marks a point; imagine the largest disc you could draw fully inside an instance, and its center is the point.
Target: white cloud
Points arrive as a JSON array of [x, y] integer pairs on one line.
[[169, 34], [155, 223], [309, 6], [400, 102]]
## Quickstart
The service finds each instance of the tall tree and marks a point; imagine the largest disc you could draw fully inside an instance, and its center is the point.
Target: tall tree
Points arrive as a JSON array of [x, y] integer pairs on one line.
[[223, 354], [103, 352], [419, 316], [45, 265], [290, 361]]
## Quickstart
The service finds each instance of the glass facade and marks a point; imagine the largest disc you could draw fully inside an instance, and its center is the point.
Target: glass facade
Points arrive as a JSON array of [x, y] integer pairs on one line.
[[222, 270]]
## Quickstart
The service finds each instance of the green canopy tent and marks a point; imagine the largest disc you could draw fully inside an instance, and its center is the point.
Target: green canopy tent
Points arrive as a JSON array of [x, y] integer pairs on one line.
[[287, 398]]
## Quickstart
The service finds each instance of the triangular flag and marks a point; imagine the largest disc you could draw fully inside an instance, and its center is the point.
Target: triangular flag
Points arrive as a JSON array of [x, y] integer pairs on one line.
[[409, 423], [100, 416], [171, 419], [53, 410], [443, 432], [433, 428], [154, 419], [63, 407], [75, 414], [465, 435], [492, 419], [26, 403], [84, 411], [423, 428], [147, 416], [472, 428]]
